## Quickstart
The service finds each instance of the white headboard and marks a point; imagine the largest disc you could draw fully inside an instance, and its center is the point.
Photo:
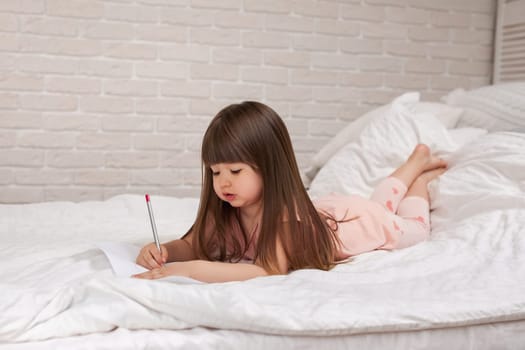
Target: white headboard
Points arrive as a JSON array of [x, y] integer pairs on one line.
[[509, 48]]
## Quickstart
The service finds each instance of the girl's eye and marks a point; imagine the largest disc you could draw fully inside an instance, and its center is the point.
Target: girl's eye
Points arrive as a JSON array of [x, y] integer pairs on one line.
[[235, 171], [215, 173]]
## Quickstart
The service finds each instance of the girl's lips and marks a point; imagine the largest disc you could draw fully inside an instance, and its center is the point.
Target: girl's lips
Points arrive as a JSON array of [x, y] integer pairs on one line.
[[229, 196]]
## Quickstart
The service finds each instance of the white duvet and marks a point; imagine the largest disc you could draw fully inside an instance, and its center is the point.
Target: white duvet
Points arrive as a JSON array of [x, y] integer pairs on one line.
[[54, 282]]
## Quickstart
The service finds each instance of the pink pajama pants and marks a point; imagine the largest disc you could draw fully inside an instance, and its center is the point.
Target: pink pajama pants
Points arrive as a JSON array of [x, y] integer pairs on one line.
[[409, 217]]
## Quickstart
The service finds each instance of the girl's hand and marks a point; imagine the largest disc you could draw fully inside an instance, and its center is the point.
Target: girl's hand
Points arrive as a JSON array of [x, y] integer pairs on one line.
[[150, 257], [163, 271]]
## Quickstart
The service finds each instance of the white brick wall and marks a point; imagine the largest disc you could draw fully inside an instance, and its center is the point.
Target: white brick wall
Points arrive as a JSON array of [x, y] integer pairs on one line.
[[101, 97]]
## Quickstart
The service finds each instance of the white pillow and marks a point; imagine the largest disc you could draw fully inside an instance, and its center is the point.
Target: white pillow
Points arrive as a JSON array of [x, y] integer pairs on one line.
[[495, 107], [349, 133], [447, 115], [382, 146], [462, 136]]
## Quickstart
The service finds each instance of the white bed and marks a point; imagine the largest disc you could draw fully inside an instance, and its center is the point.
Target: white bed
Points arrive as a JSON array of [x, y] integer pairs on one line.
[[463, 288]]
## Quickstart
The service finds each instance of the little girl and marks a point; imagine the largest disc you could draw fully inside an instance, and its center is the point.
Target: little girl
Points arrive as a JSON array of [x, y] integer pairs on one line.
[[255, 217]]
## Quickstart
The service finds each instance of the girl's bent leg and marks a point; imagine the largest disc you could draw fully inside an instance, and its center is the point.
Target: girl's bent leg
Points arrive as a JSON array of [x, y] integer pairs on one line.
[[413, 220], [389, 193], [414, 210]]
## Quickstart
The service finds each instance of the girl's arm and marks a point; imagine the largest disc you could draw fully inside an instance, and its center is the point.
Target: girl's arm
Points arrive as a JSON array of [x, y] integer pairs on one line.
[[206, 271], [214, 271]]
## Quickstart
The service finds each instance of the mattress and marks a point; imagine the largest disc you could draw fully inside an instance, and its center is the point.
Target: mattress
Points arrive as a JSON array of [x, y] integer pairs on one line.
[[464, 287]]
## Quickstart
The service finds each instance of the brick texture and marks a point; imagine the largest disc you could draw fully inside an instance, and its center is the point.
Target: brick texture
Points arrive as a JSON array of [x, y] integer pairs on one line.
[[103, 97]]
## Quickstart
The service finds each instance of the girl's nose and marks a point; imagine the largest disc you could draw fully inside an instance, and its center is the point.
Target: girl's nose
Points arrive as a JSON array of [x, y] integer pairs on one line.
[[225, 182]]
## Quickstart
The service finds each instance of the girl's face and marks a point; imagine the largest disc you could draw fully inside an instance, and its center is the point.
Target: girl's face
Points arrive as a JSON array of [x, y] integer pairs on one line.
[[238, 184]]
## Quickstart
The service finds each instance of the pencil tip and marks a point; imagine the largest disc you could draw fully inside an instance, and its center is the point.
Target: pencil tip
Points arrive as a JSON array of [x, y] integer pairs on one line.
[[147, 197]]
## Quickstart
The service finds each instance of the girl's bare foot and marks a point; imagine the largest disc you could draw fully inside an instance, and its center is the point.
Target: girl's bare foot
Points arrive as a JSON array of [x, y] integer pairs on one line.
[[419, 162], [430, 175], [421, 155], [419, 187]]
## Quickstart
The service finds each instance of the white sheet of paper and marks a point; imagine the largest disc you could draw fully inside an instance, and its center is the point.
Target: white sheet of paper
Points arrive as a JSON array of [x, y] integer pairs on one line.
[[122, 257]]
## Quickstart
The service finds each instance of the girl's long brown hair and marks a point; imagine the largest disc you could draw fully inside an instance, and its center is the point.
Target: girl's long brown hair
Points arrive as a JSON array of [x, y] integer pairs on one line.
[[253, 133]]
